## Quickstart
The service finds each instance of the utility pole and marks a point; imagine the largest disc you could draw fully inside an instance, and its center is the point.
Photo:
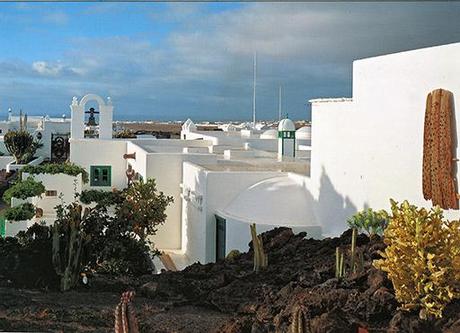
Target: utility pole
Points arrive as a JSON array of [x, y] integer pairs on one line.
[[254, 91], [279, 104]]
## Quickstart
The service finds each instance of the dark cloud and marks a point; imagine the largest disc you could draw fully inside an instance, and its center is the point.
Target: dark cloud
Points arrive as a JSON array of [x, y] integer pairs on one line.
[[203, 68]]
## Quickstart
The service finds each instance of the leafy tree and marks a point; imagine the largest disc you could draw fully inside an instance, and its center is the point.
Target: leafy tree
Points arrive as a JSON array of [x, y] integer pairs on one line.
[[118, 243], [143, 208], [21, 145]]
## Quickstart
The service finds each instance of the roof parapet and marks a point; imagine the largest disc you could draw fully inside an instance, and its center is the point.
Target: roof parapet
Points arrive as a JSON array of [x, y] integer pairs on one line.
[[330, 100]]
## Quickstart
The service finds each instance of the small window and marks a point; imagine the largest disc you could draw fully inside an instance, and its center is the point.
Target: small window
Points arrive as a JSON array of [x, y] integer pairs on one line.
[[51, 193], [101, 175]]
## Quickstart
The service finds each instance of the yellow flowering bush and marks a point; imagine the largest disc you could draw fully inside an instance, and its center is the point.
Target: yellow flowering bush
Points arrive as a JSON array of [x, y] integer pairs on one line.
[[422, 258]]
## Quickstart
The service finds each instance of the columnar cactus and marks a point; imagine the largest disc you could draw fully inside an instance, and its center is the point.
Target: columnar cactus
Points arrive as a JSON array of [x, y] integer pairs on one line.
[[125, 316], [67, 246], [260, 258], [339, 267]]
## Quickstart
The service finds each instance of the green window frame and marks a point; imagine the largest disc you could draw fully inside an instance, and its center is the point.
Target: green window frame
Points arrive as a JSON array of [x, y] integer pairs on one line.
[[101, 175]]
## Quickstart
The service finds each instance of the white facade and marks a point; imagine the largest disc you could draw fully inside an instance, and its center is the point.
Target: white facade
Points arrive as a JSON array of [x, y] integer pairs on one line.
[[369, 149]]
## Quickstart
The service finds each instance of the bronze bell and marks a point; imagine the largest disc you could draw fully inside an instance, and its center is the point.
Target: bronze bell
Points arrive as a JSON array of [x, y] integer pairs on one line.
[[91, 118]]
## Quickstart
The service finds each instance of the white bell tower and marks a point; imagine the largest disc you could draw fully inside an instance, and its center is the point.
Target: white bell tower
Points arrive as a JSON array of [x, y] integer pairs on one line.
[[78, 116]]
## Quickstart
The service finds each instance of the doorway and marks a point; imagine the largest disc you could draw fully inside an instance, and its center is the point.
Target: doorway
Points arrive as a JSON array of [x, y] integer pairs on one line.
[[220, 237], [60, 147]]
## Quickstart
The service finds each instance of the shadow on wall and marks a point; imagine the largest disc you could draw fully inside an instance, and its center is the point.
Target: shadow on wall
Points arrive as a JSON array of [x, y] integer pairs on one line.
[[332, 208]]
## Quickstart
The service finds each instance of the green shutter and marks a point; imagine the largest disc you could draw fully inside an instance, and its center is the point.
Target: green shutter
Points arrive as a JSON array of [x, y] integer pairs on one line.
[[101, 175]]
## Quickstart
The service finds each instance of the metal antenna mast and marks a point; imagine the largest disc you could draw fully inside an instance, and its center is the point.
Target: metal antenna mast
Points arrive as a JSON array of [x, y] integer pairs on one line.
[[254, 92], [279, 104]]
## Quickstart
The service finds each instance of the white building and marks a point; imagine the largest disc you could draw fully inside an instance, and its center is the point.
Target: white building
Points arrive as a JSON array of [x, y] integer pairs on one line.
[[368, 149], [53, 133], [359, 152]]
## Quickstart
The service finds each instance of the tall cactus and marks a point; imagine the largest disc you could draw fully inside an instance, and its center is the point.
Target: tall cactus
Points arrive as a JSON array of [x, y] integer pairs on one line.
[[67, 245], [260, 258], [339, 261], [353, 250], [125, 316]]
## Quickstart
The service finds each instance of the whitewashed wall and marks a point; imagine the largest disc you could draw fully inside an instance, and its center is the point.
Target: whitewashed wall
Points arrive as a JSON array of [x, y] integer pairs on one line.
[[193, 215], [218, 189], [87, 152], [140, 163], [166, 169], [49, 128], [5, 160], [369, 150], [64, 185]]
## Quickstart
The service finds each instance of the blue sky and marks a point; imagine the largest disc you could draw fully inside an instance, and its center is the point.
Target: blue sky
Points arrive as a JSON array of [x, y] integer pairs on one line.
[[174, 61]]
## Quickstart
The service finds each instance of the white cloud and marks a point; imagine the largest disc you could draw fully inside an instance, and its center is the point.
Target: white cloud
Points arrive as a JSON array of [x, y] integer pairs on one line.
[[44, 68]]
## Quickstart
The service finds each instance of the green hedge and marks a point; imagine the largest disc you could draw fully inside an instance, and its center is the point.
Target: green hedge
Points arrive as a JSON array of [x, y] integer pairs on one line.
[[24, 189], [70, 169], [20, 213], [104, 198]]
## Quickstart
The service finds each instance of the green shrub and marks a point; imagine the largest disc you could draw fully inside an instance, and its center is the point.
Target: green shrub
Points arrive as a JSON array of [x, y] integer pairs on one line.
[[20, 213], [70, 169], [100, 197], [24, 189], [370, 221]]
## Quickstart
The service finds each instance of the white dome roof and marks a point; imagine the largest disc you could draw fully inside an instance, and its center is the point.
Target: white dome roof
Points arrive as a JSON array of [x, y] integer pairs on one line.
[[303, 133], [188, 126], [269, 134], [286, 125], [275, 201]]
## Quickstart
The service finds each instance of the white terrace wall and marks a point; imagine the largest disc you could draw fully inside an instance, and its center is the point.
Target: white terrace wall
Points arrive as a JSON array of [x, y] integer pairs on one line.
[[64, 185], [370, 150]]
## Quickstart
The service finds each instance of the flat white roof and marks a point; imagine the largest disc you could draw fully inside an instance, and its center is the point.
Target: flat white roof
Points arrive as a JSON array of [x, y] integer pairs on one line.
[[331, 100], [301, 167]]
